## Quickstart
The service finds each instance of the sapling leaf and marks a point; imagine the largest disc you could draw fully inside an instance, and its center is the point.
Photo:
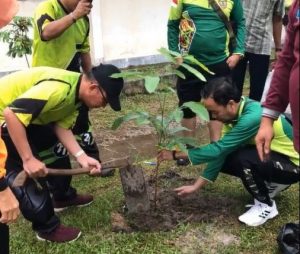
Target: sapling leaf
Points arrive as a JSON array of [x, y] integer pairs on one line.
[[198, 109], [128, 75], [128, 117], [166, 53], [194, 71], [179, 74], [171, 89], [173, 131], [191, 59], [151, 83], [176, 115]]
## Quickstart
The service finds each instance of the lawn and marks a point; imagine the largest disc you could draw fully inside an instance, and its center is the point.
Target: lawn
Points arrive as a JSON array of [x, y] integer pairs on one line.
[[220, 234]]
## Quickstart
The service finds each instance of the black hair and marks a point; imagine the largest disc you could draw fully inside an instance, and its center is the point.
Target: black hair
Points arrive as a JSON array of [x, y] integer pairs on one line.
[[221, 90]]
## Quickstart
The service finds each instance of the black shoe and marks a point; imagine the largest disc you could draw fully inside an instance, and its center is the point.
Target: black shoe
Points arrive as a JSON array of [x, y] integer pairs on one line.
[[107, 172], [182, 162]]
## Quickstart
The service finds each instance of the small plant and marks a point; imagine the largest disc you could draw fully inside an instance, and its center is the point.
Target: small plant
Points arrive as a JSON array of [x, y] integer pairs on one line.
[[19, 43], [166, 125]]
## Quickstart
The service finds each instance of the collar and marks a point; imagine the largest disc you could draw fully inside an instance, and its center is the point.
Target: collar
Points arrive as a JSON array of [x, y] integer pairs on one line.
[[242, 104]]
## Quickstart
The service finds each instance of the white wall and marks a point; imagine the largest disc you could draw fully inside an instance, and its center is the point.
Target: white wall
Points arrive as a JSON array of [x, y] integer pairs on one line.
[[124, 32], [133, 28]]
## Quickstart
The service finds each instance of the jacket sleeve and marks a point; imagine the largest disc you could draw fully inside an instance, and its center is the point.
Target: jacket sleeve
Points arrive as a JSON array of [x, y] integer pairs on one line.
[[237, 16], [173, 25], [3, 155], [278, 96], [239, 135]]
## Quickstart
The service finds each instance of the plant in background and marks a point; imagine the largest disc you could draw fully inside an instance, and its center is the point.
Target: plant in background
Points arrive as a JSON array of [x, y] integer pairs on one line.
[[19, 43], [166, 125]]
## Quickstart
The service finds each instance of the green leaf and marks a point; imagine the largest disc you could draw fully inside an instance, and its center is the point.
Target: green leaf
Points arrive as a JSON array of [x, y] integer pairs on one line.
[[151, 83], [171, 89], [198, 109], [166, 53], [176, 115], [172, 131], [179, 74], [128, 117], [142, 121], [128, 75], [191, 59], [194, 71]]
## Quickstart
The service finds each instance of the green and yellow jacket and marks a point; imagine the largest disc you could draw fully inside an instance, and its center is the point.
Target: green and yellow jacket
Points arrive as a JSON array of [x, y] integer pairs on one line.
[[195, 28], [41, 95], [239, 133], [58, 52]]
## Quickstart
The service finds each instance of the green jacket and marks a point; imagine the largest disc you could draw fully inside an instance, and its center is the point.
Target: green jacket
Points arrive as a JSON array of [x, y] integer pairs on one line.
[[240, 133], [195, 28]]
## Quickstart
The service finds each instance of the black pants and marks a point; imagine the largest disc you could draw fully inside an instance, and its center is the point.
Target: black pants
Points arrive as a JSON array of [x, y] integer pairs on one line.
[[4, 239], [36, 204], [246, 165], [258, 71], [189, 89]]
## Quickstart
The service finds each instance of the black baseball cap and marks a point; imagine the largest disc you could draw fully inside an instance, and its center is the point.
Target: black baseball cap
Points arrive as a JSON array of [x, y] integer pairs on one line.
[[112, 86]]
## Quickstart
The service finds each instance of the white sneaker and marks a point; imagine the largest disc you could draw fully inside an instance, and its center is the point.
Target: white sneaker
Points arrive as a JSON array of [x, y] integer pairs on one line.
[[259, 213], [276, 188]]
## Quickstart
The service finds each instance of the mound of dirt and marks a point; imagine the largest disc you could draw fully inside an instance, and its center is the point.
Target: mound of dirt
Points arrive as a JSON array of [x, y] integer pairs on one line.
[[172, 210]]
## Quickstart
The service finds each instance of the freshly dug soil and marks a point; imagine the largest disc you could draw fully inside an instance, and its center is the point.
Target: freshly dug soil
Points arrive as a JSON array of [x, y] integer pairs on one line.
[[172, 210]]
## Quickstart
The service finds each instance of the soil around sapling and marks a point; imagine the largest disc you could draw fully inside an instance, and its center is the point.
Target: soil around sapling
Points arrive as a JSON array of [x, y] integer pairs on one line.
[[172, 210]]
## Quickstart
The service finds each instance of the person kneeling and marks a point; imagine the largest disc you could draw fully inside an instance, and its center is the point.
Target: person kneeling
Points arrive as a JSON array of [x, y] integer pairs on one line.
[[235, 153]]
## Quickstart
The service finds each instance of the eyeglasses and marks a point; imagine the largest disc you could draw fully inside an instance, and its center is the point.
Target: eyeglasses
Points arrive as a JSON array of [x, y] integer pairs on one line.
[[103, 95]]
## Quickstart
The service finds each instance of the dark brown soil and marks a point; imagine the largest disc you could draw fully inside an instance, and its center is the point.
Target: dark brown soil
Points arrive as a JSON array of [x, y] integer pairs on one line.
[[172, 210]]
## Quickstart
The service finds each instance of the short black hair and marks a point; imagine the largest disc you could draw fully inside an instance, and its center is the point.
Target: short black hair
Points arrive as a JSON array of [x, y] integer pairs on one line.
[[221, 90]]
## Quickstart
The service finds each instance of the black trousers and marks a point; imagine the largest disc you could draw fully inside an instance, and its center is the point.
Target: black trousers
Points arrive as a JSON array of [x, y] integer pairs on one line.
[[36, 204], [246, 165], [258, 71], [4, 239]]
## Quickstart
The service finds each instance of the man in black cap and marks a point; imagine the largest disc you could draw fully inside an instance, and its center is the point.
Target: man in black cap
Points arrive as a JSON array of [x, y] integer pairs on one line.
[[38, 107]]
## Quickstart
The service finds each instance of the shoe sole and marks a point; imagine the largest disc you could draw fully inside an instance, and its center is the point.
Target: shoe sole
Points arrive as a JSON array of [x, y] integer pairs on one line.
[[258, 224], [45, 240], [57, 210]]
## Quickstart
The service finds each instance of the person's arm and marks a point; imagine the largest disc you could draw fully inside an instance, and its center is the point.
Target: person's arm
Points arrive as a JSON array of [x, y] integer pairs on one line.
[[188, 189], [237, 16], [55, 28], [278, 95], [17, 132], [9, 206], [173, 25], [264, 137], [67, 138]]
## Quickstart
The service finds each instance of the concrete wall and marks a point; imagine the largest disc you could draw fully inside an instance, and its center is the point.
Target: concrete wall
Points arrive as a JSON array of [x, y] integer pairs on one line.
[[124, 32]]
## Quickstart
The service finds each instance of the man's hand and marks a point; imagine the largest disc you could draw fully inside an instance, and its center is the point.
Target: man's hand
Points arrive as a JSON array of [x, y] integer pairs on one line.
[[264, 137], [89, 162], [9, 206], [164, 155], [233, 60], [35, 168], [82, 9], [185, 190]]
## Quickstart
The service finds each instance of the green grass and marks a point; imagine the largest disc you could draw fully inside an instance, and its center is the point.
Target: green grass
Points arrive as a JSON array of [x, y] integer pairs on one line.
[[205, 237]]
